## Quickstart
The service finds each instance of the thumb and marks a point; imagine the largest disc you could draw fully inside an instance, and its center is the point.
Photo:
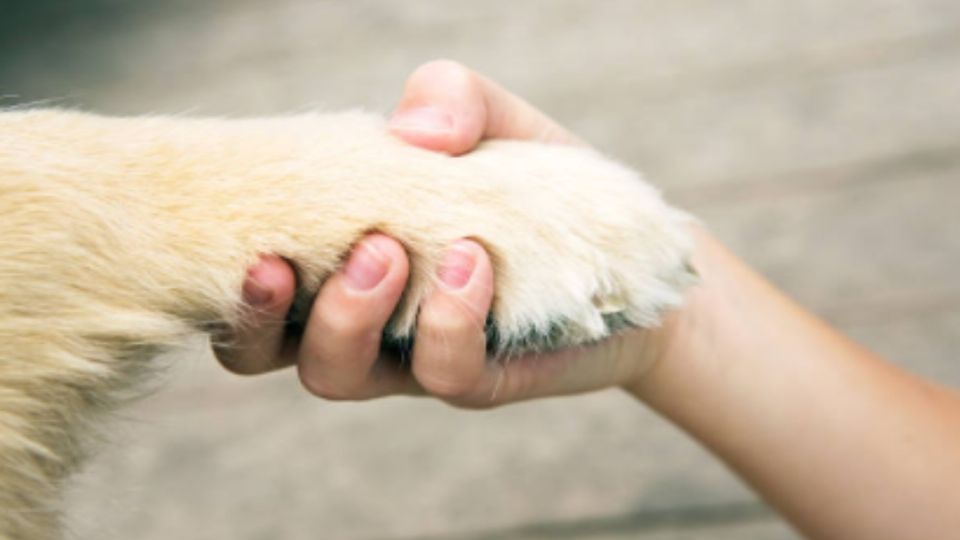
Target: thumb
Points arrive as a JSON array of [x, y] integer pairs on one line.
[[447, 107], [442, 109]]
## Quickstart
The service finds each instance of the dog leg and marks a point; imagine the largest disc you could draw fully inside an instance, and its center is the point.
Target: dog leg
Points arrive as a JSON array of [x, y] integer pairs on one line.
[[122, 236]]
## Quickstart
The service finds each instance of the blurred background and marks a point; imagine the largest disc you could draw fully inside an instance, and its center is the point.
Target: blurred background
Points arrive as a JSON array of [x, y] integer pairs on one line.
[[819, 138]]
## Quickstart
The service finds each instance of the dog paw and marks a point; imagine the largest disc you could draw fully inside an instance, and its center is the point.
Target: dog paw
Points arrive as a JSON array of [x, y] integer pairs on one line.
[[582, 246]]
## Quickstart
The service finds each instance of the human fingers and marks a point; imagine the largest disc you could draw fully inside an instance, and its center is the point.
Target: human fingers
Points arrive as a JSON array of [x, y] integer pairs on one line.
[[449, 355], [339, 356], [258, 345], [449, 108], [450, 359]]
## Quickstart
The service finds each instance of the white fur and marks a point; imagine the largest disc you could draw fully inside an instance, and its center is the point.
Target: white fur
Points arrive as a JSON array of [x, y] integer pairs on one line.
[[118, 237]]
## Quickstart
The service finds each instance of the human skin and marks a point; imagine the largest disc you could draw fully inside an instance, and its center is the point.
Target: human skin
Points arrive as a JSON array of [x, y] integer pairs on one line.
[[842, 443]]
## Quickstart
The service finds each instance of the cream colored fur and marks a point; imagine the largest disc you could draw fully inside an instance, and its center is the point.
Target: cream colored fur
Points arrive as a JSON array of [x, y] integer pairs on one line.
[[119, 237]]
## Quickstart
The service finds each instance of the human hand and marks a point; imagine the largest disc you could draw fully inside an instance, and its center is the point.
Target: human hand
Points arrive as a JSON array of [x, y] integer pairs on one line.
[[446, 108]]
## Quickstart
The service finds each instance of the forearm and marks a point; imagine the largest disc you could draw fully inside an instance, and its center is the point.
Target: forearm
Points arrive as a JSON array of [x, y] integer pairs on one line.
[[842, 443]]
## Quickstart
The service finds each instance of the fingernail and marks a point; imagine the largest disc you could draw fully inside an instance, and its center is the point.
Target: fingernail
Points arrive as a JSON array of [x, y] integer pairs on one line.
[[457, 266], [367, 266], [255, 292], [422, 119]]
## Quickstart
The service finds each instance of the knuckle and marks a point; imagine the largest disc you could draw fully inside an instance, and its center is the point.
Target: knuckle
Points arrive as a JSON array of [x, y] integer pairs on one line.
[[455, 389], [346, 318], [442, 374], [449, 325], [333, 382], [342, 324], [233, 361], [321, 387]]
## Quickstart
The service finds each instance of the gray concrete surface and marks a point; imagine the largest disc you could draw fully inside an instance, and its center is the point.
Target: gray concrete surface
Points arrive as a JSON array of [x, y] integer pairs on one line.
[[819, 138]]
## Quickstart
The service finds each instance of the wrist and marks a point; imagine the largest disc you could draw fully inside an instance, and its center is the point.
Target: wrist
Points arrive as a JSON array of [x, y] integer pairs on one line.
[[683, 334]]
